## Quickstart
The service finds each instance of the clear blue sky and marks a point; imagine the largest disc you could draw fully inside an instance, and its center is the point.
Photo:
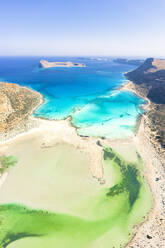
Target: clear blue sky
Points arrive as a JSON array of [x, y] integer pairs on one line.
[[87, 27]]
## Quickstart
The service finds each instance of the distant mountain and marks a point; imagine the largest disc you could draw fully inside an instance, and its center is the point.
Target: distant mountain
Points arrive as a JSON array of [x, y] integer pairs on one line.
[[136, 62]]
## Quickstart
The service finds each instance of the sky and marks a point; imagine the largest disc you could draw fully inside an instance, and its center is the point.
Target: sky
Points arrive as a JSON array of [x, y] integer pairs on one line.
[[82, 27]]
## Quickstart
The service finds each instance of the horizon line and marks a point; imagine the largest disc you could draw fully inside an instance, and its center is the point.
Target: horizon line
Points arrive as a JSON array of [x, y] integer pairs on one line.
[[77, 55]]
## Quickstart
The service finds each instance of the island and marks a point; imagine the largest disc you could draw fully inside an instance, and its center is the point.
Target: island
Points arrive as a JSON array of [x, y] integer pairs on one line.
[[136, 62], [47, 64]]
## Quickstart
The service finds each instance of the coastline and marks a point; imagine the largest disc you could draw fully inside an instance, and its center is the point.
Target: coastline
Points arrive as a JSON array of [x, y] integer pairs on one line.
[[90, 146], [155, 175], [129, 86]]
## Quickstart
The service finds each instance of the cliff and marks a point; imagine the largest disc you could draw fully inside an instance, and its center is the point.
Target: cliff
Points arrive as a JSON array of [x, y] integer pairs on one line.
[[47, 64], [149, 81], [151, 76], [16, 105]]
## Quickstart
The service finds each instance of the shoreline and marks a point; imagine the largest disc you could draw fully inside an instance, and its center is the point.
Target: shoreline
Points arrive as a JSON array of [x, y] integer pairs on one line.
[[89, 145], [154, 173], [129, 86]]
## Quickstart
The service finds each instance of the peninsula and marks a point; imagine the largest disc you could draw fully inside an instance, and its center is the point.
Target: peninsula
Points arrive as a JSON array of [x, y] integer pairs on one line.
[[47, 64], [149, 81]]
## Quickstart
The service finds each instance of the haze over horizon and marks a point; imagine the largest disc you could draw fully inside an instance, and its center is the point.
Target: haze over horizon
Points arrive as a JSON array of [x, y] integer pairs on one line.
[[107, 27]]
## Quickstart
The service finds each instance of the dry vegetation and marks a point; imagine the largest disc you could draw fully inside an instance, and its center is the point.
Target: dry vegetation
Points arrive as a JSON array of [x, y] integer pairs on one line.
[[16, 104]]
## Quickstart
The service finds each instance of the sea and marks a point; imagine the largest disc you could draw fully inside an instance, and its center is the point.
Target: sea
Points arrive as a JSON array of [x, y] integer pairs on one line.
[[90, 95]]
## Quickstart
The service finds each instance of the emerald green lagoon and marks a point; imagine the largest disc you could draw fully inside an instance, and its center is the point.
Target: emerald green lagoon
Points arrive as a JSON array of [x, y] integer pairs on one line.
[[50, 199]]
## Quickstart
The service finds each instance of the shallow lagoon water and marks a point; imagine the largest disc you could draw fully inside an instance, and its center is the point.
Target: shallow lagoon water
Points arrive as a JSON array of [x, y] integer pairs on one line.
[[58, 203]]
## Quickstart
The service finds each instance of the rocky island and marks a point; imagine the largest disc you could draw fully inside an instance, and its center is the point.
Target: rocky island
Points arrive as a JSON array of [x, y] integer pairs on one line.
[[47, 64]]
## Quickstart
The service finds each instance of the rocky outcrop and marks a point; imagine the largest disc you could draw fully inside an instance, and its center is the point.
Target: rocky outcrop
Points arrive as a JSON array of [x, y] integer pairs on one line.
[[47, 64], [16, 105], [150, 76]]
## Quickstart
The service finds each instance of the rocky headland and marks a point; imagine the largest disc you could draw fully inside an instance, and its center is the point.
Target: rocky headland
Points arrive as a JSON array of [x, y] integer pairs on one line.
[[16, 106]]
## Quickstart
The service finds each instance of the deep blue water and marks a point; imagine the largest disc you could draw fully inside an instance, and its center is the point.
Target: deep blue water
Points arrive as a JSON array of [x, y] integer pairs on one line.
[[88, 94]]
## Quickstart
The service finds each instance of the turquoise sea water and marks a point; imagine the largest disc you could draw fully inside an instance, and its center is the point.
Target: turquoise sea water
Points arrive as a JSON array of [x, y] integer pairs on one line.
[[87, 94]]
